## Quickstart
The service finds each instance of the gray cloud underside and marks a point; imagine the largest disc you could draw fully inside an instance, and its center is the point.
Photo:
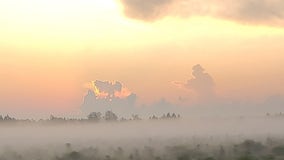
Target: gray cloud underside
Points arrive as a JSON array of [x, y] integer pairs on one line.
[[126, 106], [269, 12]]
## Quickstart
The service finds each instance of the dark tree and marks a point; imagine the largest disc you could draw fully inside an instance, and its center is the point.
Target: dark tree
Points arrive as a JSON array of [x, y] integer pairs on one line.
[[71, 156], [168, 115], [222, 153], [136, 117], [8, 118], [53, 118], [153, 117], [110, 116], [279, 150], [95, 116], [251, 146]]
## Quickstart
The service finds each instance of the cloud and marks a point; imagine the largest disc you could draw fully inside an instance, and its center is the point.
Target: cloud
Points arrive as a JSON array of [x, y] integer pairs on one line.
[[106, 95], [108, 87], [269, 12], [201, 83], [257, 11], [146, 10]]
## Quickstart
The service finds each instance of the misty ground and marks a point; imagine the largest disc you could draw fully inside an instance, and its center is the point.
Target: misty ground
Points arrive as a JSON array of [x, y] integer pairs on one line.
[[240, 138]]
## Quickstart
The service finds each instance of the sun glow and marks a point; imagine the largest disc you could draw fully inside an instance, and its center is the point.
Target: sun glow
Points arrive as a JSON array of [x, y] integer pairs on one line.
[[65, 25]]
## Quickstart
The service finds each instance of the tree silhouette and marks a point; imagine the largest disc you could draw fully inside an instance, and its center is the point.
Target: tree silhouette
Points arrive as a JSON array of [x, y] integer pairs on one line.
[[278, 150], [168, 115], [95, 116], [71, 156], [136, 117], [153, 117], [8, 118], [110, 116], [163, 116]]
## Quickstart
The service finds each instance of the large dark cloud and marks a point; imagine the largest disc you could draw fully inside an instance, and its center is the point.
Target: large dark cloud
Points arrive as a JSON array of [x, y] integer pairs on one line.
[[269, 12], [257, 11]]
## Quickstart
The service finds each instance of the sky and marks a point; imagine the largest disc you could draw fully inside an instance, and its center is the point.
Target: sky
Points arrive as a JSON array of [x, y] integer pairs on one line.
[[162, 52]]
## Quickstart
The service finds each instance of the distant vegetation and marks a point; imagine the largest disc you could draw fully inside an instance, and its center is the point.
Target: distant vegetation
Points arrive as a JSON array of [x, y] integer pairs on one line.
[[92, 117], [246, 150]]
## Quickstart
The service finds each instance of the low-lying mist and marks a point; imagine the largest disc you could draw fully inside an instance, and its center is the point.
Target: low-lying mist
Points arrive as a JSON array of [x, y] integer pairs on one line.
[[185, 138]]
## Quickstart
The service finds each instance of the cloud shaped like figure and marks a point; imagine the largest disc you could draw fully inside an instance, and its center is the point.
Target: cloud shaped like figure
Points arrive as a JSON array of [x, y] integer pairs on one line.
[[201, 83], [269, 12]]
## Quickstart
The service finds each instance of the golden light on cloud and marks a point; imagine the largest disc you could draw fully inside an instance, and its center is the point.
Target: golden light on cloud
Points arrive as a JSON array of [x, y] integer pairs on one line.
[[123, 93], [97, 91], [110, 89]]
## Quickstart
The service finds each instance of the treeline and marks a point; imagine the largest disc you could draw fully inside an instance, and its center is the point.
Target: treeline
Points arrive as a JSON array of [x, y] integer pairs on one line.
[[7, 118], [110, 116], [275, 115], [93, 117]]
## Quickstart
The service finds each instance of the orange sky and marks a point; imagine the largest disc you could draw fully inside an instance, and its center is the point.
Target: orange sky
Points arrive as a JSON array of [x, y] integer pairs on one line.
[[50, 49]]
